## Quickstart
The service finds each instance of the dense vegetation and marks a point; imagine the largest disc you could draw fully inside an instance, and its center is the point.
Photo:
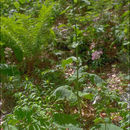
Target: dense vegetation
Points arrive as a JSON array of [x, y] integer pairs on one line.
[[64, 65]]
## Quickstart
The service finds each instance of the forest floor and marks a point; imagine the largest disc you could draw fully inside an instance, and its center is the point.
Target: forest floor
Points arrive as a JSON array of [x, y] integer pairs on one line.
[[116, 79]]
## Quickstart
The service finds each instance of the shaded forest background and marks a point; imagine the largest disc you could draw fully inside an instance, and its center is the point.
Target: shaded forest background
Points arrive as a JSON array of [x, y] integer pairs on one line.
[[64, 64]]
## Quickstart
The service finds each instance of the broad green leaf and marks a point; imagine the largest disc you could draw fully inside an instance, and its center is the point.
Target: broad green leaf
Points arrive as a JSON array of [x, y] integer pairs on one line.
[[96, 79], [66, 121], [109, 127], [64, 92]]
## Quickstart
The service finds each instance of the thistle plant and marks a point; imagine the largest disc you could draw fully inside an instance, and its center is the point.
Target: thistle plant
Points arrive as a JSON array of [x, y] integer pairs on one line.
[[77, 57]]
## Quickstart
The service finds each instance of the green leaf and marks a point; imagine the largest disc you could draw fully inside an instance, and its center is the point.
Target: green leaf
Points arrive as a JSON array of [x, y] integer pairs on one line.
[[86, 95], [22, 1], [126, 43], [127, 77], [109, 127], [87, 2], [10, 127], [126, 13], [75, 128], [18, 53], [17, 5], [23, 113], [66, 121], [64, 11], [61, 25], [19, 114], [64, 92], [68, 61], [98, 120], [75, 1], [96, 79], [2, 43], [75, 44], [9, 70]]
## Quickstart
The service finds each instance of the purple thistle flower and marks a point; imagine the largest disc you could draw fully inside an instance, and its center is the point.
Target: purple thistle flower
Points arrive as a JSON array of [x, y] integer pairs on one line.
[[96, 55]]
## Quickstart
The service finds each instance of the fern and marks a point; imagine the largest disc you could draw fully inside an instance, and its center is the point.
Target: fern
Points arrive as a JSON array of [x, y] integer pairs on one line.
[[27, 33], [11, 42], [8, 70]]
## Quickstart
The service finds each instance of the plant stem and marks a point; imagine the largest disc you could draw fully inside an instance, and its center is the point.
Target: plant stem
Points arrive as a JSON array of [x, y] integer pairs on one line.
[[77, 63], [105, 126]]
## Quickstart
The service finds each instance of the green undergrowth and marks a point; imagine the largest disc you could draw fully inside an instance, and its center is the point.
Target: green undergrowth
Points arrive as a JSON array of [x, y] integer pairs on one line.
[[53, 56]]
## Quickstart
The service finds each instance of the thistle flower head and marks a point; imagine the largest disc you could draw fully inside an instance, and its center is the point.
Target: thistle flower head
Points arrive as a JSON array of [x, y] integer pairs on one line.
[[96, 55]]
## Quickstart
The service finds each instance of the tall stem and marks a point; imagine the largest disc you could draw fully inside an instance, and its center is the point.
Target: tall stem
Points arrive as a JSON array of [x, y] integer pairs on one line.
[[77, 63]]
